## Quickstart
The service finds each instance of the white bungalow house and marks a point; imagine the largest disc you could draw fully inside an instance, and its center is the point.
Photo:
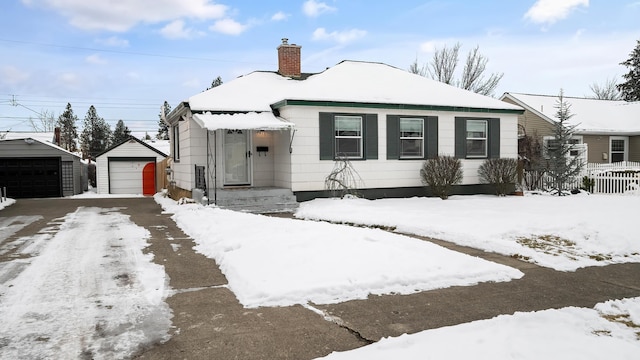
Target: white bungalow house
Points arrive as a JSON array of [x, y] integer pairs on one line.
[[283, 131], [608, 129]]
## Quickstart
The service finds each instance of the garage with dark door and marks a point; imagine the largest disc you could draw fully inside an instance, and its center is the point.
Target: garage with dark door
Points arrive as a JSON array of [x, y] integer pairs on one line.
[[33, 169]]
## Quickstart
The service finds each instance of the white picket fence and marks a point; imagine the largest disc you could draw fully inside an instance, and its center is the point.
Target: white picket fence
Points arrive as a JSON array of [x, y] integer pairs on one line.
[[616, 178]]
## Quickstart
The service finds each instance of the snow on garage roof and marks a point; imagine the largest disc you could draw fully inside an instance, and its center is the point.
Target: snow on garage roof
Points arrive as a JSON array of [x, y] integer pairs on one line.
[[348, 81]]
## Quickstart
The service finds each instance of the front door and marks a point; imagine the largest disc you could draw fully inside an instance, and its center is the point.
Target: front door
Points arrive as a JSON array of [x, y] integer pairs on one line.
[[237, 155]]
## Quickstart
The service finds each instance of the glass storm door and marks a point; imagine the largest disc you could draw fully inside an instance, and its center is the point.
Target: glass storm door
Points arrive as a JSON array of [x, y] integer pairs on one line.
[[236, 157]]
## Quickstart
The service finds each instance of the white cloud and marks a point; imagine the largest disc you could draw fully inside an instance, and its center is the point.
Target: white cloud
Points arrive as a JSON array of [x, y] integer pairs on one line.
[[341, 37], [95, 59], [114, 41], [192, 83], [228, 26], [176, 30], [550, 11], [70, 79], [120, 16], [314, 8], [428, 46], [12, 75], [279, 16]]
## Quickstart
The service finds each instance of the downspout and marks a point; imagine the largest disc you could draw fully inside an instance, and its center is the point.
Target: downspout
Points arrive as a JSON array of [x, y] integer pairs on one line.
[[215, 168], [206, 171]]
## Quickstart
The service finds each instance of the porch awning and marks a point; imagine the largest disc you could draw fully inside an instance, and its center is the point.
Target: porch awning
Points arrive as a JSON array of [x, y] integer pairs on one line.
[[242, 121]]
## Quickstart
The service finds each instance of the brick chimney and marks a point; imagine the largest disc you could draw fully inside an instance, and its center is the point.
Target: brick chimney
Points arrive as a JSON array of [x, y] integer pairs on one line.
[[289, 59], [56, 136]]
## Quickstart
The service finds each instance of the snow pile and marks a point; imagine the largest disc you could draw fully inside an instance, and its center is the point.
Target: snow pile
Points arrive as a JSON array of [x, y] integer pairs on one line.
[[568, 333], [88, 291], [6, 202], [564, 233], [279, 262]]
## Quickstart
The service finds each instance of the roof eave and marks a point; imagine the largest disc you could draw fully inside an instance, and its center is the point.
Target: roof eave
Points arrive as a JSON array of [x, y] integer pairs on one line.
[[392, 106]]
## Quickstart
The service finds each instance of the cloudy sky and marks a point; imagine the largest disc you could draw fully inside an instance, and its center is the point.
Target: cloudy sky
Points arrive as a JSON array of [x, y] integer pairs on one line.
[[128, 56]]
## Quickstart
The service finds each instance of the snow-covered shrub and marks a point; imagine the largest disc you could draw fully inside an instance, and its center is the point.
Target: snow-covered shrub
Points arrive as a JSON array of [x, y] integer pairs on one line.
[[501, 173], [440, 174]]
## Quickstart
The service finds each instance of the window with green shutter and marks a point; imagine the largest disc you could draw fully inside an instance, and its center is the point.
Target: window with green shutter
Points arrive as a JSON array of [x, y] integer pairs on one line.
[[477, 138], [354, 136], [414, 137]]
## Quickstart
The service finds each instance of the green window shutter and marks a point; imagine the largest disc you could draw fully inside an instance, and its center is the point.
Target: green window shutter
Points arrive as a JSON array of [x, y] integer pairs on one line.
[[393, 137], [327, 136], [371, 136], [494, 138], [431, 137], [461, 137]]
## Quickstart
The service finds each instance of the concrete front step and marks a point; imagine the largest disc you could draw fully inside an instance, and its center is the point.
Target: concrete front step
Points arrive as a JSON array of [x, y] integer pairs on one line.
[[257, 200]]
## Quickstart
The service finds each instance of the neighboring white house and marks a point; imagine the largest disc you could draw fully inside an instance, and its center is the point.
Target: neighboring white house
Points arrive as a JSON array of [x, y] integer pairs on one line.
[[128, 168], [610, 129], [286, 129]]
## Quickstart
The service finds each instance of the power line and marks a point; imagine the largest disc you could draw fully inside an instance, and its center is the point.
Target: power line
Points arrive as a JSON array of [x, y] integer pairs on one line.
[[131, 52]]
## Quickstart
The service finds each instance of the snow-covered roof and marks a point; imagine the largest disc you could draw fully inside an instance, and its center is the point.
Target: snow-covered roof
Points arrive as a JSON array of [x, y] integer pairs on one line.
[[47, 143], [163, 146], [591, 116], [251, 120], [348, 81], [40, 136]]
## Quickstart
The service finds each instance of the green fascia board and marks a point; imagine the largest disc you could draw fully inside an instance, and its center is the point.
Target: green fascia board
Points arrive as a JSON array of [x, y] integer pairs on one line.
[[285, 102]]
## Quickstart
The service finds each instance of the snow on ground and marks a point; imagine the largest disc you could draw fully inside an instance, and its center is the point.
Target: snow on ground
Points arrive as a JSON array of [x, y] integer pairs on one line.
[[82, 289], [564, 233], [6, 202], [278, 262], [609, 331]]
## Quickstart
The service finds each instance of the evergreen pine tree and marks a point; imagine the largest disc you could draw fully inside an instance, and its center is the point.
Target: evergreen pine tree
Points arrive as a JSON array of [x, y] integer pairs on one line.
[[561, 166], [95, 135], [630, 89], [120, 133], [163, 128], [216, 82], [68, 130]]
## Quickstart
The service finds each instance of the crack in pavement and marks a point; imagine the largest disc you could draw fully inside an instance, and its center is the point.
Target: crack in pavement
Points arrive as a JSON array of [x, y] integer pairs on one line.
[[341, 323]]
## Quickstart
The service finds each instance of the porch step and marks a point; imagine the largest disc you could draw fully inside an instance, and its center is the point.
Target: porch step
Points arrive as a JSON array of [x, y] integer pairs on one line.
[[257, 200]]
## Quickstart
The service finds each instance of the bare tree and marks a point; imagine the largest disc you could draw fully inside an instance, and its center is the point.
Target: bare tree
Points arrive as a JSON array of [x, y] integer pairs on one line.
[[444, 63], [607, 91], [443, 67], [414, 68], [473, 74], [45, 122]]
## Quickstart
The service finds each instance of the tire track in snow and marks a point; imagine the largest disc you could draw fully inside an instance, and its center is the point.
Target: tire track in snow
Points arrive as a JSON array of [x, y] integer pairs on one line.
[[89, 293]]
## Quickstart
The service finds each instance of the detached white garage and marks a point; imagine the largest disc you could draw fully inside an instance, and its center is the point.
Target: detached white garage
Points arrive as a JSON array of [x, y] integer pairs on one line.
[[128, 168]]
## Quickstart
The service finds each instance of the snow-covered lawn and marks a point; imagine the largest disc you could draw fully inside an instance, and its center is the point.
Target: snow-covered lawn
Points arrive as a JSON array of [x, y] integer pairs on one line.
[[278, 262], [564, 233], [84, 289], [609, 331]]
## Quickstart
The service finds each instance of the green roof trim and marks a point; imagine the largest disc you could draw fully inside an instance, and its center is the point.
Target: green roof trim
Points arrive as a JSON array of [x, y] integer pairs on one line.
[[285, 102]]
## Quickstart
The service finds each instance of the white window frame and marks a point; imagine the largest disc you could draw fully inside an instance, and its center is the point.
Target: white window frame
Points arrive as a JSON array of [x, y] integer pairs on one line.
[[421, 138], [358, 137], [485, 138], [575, 140], [625, 151]]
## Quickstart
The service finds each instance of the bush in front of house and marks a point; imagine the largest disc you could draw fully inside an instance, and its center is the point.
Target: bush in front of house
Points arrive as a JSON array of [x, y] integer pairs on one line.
[[501, 173], [440, 174]]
